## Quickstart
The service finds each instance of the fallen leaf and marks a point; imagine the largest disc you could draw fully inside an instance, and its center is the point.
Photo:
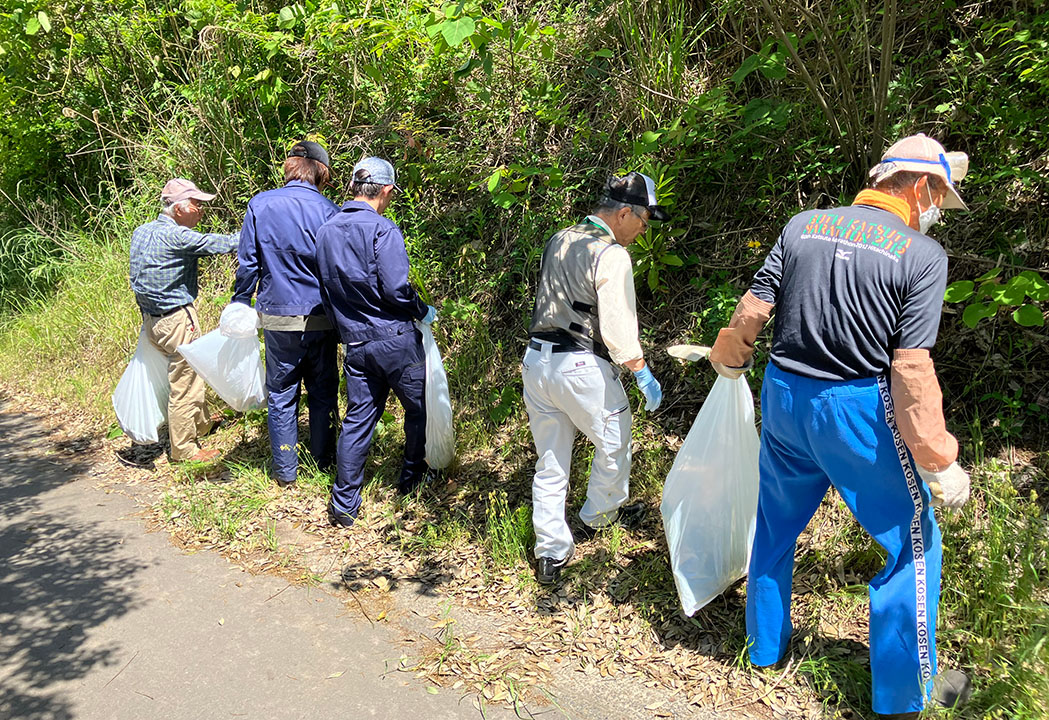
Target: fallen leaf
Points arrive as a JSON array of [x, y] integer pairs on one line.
[[336, 674]]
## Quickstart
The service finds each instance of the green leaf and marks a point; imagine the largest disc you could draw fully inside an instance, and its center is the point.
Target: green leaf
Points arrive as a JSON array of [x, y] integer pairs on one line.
[[604, 53], [32, 26], [1029, 316], [649, 136], [504, 199], [44, 20], [992, 273], [670, 259], [1037, 287], [1010, 293], [114, 432], [653, 278], [959, 291], [976, 312], [286, 18], [493, 180], [749, 65], [457, 30]]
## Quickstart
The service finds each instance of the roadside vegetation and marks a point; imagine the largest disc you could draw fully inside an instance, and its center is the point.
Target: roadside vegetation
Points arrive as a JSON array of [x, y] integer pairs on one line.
[[504, 119]]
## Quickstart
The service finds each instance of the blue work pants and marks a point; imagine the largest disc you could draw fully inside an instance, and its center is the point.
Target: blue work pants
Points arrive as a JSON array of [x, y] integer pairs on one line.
[[372, 369], [295, 359], [816, 434]]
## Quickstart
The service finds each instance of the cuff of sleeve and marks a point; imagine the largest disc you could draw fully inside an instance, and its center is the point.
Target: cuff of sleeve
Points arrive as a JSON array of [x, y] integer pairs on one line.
[[756, 305]]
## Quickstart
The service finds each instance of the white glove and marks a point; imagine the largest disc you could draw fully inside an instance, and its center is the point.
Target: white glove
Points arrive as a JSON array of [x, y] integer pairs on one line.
[[950, 487], [732, 373]]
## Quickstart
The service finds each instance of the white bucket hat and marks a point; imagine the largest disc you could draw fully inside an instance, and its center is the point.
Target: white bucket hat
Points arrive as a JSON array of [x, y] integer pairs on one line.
[[921, 154]]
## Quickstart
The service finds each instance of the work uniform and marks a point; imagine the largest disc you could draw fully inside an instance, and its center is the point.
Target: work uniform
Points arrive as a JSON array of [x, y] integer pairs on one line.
[[277, 255], [853, 288], [584, 320], [364, 268], [163, 274]]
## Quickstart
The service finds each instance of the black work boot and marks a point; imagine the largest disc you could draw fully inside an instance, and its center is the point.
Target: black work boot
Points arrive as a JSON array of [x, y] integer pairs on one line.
[[548, 570], [628, 516], [339, 519], [950, 689]]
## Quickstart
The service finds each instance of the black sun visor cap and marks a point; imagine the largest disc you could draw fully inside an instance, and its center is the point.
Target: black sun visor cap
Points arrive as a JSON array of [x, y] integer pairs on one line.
[[311, 150], [637, 189]]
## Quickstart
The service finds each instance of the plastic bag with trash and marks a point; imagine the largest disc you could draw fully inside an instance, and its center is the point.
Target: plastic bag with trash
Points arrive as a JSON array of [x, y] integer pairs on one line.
[[229, 358], [440, 435], [141, 398], [710, 497]]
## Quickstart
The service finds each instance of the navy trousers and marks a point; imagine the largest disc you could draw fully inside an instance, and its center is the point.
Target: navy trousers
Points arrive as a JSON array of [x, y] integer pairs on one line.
[[373, 369], [294, 359], [815, 434]]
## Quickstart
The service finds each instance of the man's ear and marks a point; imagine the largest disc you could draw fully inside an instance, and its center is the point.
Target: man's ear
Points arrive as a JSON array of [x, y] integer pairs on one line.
[[622, 213]]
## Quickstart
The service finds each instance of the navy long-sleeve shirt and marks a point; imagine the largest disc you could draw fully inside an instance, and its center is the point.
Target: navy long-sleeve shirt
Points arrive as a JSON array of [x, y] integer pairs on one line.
[[277, 252], [364, 267]]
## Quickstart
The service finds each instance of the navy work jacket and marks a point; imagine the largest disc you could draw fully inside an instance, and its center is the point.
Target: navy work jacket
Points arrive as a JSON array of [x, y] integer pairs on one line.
[[277, 250], [364, 275]]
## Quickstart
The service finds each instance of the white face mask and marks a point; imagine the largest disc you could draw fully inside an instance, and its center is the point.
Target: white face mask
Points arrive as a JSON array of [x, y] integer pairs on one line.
[[928, 217]]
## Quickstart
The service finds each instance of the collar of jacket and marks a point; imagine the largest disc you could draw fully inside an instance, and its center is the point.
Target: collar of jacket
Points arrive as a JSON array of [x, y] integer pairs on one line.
[[884, 201], [302, 184], [593, 225], [166, 219], [351, 205]]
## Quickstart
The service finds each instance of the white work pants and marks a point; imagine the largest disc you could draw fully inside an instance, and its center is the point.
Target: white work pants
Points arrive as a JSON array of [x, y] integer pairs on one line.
[[563, 392]]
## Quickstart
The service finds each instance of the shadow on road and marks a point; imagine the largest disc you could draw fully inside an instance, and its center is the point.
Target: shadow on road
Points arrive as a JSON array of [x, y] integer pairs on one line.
[[59, 577]]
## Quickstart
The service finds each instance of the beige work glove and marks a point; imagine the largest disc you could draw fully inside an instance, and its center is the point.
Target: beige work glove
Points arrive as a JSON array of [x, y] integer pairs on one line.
[[949, 487]]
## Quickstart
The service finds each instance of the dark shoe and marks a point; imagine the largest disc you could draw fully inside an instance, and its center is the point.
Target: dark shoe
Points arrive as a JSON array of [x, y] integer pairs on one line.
[[950, 689], [285, 484], [627, 516], [429, 477], [548, 570], [340, 519]]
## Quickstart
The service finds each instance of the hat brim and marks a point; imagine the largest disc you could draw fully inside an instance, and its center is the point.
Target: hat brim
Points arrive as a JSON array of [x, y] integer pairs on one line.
[[202, 196], [953, 201], [658, 213]]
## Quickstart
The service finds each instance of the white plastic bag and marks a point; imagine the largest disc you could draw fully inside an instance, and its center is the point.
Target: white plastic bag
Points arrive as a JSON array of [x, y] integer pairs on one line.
[[239, 321], [440, 435], [141, 398], [232, 366], [710, 498]]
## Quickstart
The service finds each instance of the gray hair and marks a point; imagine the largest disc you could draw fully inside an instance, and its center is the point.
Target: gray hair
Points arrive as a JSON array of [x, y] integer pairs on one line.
[[169, 207], [366, 189], [608, 205]]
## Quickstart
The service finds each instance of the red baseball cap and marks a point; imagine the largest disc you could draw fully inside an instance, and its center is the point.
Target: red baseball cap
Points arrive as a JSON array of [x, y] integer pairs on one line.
[[181, 189]]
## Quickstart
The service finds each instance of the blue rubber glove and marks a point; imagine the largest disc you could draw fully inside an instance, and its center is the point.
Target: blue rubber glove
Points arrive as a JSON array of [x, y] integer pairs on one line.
[[431, 315], [649, 386]]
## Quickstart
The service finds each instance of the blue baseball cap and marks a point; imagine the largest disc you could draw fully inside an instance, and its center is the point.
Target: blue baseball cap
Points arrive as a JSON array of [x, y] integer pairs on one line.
[[375, 170]]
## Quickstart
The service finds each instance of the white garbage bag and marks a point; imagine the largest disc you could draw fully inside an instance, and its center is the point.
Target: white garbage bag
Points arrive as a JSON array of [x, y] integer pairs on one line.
[[231, 364], [239, 321], [141, 398], [710, 498], [440, 435]]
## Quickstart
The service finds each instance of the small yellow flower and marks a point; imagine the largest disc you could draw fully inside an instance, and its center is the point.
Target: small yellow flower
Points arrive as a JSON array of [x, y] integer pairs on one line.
[[754, 244]]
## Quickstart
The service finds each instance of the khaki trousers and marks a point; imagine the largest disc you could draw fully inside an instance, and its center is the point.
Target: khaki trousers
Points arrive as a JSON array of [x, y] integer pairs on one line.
[[187, 412]]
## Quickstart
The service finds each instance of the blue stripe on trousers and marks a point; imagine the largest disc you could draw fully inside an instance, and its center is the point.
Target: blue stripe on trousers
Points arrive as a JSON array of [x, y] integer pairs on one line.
[[816, 434], [293, 360], [373, 369]]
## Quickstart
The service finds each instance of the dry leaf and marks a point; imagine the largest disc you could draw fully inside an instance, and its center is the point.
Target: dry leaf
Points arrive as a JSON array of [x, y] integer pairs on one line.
[[336, 674]]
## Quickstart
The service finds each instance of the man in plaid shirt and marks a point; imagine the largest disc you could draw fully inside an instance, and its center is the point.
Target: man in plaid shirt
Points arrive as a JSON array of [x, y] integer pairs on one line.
[[164, 256]]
